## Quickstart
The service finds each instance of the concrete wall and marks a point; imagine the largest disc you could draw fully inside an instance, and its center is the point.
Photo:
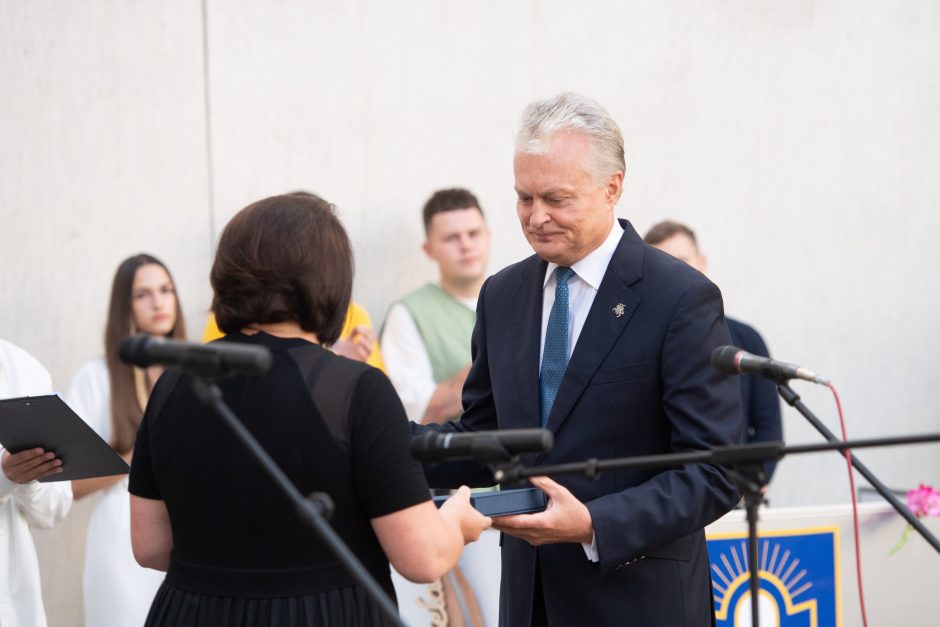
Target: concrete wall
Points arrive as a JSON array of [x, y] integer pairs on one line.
[[800, 139]]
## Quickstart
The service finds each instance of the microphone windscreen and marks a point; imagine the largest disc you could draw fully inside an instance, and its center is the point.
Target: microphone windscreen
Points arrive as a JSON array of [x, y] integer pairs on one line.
[[131, 350], [724, 359]]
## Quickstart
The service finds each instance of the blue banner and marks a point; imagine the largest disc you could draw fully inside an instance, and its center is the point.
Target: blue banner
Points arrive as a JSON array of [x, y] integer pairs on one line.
[[798, 572]]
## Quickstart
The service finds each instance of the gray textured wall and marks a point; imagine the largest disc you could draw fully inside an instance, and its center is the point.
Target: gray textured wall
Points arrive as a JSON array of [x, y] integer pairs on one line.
[[800, 139]]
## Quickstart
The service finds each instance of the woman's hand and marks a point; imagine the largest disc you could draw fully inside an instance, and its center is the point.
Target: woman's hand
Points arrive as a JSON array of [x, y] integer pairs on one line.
[[358, 346], [30, 465], [459, 510]]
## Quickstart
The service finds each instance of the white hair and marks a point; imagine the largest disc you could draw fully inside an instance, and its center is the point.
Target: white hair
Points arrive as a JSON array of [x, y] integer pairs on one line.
[[572, 112]]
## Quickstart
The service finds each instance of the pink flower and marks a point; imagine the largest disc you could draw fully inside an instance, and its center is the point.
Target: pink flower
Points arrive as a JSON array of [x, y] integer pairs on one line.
[[932, 504], [924, 501]]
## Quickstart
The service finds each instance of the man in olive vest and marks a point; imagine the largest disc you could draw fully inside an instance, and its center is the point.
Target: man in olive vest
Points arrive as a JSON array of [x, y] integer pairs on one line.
[[426, 337]]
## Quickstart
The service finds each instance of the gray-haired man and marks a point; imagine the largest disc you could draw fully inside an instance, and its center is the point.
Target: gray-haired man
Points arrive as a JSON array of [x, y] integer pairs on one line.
[[606, 342]]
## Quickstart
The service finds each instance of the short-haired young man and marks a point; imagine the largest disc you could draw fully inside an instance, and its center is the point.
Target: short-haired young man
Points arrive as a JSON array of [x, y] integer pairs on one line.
[[426, 338]]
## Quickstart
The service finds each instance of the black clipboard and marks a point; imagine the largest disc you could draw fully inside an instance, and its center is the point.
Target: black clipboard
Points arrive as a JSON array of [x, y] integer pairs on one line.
[[47, 422]]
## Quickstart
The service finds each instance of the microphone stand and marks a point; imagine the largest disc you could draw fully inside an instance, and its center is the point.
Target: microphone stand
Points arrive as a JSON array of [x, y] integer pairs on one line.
[[747, 472], [314, 510], [750, 480], [793, 399]]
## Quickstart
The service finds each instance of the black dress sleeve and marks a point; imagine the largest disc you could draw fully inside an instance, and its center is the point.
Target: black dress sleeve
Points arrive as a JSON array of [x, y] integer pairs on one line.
[[387, 478], [142, 481]]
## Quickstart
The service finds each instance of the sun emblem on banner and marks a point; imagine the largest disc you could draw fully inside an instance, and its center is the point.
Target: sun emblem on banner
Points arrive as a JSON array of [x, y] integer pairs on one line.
[[798, 574]]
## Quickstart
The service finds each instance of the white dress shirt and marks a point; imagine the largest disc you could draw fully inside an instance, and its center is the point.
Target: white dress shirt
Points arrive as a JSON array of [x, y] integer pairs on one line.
[[407, 361], [582, 288], [39, 505]]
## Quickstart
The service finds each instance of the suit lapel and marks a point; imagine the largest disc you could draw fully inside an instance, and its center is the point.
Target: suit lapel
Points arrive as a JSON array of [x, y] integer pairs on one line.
[[614, 305], [526, 339]]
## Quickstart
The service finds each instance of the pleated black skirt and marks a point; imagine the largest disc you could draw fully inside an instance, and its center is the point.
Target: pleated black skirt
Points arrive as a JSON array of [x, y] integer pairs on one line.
[[341, 607]]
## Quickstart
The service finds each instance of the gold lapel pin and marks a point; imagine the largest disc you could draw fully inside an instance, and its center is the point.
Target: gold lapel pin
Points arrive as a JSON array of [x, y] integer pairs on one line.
[[618, 309]]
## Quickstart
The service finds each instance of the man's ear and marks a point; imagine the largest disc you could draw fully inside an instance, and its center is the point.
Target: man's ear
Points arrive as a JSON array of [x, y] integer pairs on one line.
[[427, 250], [614, 188]]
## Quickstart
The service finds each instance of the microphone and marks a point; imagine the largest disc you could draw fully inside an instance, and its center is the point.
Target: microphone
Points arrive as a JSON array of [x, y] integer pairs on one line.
[[212, 360], [482, 445], [733, 360]]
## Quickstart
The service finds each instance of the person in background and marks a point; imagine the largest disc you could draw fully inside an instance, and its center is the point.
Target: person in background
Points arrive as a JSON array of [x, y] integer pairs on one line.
[[235, 552], [111, 396], [24, 502], [426, 335], [762, 421], [357, 339]]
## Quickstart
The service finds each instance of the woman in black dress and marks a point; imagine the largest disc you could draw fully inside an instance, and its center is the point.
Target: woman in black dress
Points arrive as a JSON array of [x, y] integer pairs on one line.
[[234, 550]]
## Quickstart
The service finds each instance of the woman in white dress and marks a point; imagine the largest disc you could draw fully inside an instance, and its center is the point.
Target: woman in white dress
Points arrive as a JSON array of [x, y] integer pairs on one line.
[[110, 396]]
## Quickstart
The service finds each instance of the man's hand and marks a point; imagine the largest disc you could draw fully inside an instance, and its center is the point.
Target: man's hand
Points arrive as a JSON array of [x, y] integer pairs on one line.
[[566, 519], [446, 402], [30, 465], [359, 344]]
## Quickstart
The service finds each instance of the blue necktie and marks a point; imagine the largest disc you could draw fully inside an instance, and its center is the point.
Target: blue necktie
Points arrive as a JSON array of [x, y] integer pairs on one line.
[[555, 354]]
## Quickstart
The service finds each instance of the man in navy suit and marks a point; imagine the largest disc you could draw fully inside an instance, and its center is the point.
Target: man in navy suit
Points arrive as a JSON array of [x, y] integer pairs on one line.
[[606, 342], [759, 399]]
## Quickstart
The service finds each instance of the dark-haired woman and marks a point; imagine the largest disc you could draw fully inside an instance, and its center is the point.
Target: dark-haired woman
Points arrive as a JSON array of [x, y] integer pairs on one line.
[[110, 396], [235, 553]]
